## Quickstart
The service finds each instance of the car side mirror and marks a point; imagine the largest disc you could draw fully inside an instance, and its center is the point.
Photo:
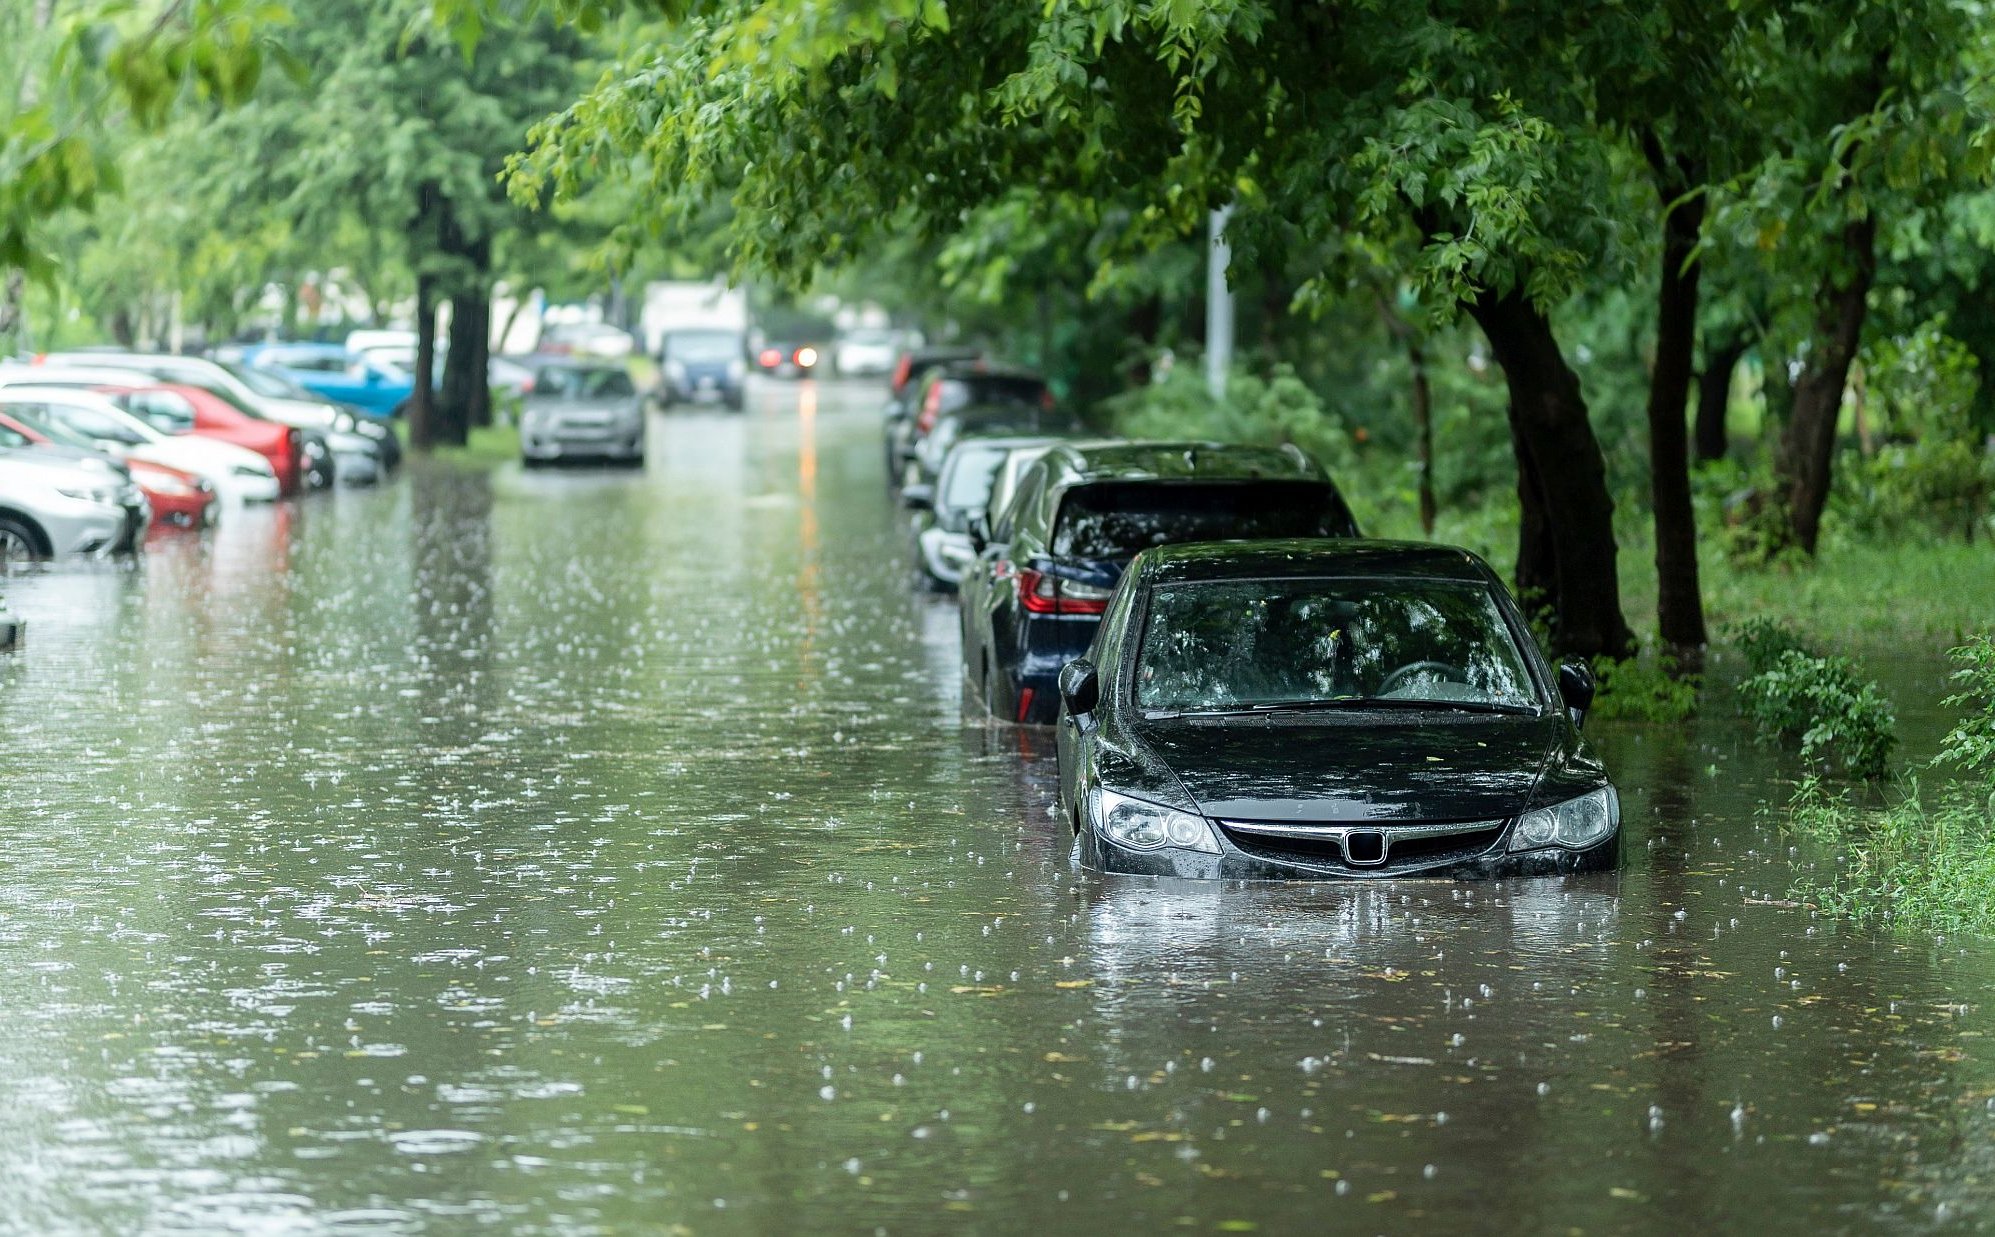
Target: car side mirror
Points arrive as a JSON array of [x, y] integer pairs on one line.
[[980, 532], [1576, 689], [918, 498], [1080, 687]]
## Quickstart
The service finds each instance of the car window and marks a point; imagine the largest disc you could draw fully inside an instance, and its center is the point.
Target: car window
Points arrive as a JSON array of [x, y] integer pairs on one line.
[[1118, 519], [1233, 644], [1030, 489], [96, 424], [163, 410], [581, 382], [11, 437], [703, 346], [967, 478]]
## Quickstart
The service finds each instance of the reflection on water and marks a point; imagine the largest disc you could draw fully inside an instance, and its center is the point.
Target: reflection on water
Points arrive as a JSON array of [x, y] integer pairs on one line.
[[586, 851]]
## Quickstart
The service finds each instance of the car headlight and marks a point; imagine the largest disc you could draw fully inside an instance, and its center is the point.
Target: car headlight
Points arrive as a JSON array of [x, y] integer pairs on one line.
[[1141, 825], [343, 422], [737, 369], [1575, 824], [88, 494], [675, 370]]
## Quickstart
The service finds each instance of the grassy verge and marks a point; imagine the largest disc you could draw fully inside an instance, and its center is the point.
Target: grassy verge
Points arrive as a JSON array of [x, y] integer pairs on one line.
[[1925, 859], [488, 445]]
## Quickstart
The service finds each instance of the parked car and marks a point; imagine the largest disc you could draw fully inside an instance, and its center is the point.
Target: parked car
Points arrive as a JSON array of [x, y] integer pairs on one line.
[[986, 421], [53, 508], [351, 446], [203, 416], [587, 339], [177, 498], [95, 419], [961, 492], [1047, 563], [1327, 709], [579, 409], [958, 384], [914, 363], [864, 351], [359, 382], [704, 366]]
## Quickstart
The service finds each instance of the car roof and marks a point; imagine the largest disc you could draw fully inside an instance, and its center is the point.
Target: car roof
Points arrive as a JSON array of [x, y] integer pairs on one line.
[[82, 396], [77, 375], [1180, 461], [977, 367], [1325, 556]]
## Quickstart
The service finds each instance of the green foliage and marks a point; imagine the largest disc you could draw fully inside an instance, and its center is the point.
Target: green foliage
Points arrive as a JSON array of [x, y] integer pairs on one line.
[[1970, 746], [1644, 691], [1838, 717], [1279, 408], [1763, 641], [1925, 862]]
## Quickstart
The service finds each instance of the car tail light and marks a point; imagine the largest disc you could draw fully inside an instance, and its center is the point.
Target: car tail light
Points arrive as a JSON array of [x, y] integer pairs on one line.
[[768, 358], [806, 357], [903, 370], [931, 408], [1046, 398], [1041, 593]]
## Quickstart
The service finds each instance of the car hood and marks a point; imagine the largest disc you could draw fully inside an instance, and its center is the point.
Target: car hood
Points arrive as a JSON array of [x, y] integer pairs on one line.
[[622, 404], [1345, 768], [200, 455]]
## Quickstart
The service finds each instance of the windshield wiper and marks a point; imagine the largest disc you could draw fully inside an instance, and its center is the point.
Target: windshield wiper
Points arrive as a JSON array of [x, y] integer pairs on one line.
[[1354, 703]]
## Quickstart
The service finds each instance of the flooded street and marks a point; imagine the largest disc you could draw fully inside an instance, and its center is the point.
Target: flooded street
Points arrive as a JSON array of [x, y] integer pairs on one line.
[[591, 851]]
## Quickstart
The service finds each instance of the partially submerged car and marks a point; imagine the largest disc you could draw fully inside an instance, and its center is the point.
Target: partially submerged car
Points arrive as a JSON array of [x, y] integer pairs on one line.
[[1327, 709]]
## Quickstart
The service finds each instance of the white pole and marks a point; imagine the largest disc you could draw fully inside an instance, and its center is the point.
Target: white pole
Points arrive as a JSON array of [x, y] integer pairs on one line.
[[1218, 305]]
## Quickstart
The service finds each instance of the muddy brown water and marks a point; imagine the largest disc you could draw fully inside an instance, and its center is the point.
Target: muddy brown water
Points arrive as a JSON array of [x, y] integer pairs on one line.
[[577, 852]]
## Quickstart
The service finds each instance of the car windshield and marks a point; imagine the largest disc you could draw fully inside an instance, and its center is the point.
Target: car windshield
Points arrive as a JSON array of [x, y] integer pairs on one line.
[[1227, 645], [1118, 519], [581, 382], [967, 486], [50, 428], [703, 346]]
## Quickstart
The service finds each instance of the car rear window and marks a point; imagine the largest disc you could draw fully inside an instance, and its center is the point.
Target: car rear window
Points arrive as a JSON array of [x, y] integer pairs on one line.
[[579, 382], [1119, 519], [970, 477]]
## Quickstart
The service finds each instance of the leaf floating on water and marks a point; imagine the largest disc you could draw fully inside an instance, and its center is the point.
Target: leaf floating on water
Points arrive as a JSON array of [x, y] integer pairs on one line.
[[1059, 1057], [1073, 983], [1623, 1192]]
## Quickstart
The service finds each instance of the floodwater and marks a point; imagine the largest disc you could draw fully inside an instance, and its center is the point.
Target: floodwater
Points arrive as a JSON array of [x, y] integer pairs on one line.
[[576, 852]]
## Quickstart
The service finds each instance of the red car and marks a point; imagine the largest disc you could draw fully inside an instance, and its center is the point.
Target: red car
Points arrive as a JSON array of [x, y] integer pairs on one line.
[[178, 498], [176, 409]]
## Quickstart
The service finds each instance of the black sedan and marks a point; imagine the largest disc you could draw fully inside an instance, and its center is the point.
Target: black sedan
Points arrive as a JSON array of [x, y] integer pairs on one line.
[[1327, 709], [1045, 566]]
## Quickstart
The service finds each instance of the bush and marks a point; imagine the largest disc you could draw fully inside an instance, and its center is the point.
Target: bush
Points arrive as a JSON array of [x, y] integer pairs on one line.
[[1634, 690], [1839, 718], [1970, 746], [1763, 640], [1280, 408]]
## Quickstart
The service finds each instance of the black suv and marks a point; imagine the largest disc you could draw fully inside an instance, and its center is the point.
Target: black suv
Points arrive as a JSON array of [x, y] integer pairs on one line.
[[1047, 564]]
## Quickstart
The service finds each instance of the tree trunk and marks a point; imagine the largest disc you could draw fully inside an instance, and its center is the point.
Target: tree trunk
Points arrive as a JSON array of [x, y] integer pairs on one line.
[[1423, 408], [422, 402], [1561, 473], [1679, 600], [1714, 396], [456, 401], [1537, 562], [1145, 321], [1807, 449]]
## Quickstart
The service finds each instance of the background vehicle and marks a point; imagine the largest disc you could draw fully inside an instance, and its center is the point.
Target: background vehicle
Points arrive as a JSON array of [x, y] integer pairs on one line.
[[363, 383], [587, 339], [987, 421], [961, 492], [955, 385], [1045, 568], [204, 416], [1327, 709], [789, 358], [579, 410], [177, 498], [703, 365], [863, 351], [909, 370], [689, 305], [96, 419], [52, 508]]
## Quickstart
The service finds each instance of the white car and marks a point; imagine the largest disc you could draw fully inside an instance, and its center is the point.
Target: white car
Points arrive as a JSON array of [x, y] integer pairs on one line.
[[368, 340], [237, 473], [56, 508], [869, 350]]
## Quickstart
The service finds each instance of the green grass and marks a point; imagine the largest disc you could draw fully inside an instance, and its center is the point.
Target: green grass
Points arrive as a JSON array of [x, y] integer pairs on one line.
[[489, 445], [1924, 862]]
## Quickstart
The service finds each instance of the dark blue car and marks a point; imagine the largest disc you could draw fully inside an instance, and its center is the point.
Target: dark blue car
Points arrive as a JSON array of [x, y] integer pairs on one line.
[[704, 365], [1047, 564]]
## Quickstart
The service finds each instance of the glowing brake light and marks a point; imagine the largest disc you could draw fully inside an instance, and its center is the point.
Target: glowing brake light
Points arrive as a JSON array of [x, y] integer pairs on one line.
[[931, 408], [768, 358], [806, 357], [903, 370], [1040, 593]]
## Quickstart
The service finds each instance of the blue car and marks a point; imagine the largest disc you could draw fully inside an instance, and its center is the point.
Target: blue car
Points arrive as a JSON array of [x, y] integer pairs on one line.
[[331, 372], [1047, 565]]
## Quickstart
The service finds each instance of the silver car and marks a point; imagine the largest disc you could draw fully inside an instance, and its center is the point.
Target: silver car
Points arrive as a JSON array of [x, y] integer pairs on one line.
[[52, 507], [578, 410]]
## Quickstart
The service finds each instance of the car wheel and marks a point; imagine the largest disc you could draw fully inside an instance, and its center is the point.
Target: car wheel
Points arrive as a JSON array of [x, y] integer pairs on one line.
[[19, 545]]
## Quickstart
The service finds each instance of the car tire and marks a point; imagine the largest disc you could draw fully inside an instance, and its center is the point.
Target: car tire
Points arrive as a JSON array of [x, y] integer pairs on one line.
[[21, 544]]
